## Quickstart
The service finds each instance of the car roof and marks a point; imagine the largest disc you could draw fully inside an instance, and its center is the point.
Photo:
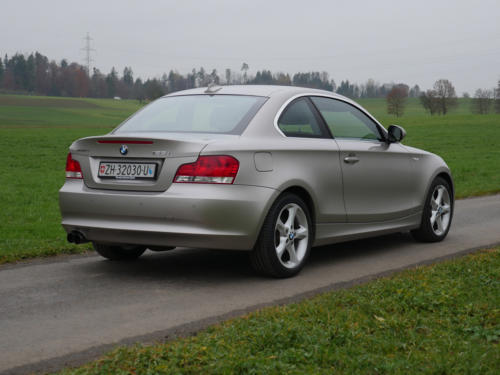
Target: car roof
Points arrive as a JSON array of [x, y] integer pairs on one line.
[[258, 90], [278, 98]]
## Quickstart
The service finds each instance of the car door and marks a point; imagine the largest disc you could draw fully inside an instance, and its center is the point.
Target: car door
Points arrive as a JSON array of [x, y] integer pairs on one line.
[[309, 157], [376, 174]]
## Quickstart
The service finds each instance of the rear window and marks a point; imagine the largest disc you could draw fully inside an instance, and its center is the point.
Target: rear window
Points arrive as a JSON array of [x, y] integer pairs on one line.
[[224, 114]]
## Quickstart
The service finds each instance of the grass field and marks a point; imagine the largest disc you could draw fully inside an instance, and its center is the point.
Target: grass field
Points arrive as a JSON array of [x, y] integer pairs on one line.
[[440, 319], [35, 133]]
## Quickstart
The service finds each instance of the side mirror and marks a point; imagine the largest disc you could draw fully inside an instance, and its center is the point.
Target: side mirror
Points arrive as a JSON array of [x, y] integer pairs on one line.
[[395, 134]]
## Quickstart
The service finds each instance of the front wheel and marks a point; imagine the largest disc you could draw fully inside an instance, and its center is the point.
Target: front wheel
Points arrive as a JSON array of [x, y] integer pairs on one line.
[[437, 213], [116, 252], [285, 239]]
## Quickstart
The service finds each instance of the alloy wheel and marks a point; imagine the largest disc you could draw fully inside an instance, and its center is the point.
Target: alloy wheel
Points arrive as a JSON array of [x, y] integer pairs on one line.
[[291, 235], [440, 210]]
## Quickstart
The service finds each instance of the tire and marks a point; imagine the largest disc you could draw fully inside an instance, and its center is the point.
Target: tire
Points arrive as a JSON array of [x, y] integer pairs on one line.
[[115, 252], [284, 243], [437, 213]]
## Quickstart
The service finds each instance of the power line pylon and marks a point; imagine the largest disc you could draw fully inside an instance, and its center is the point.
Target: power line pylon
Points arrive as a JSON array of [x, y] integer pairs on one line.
[[88, 49]]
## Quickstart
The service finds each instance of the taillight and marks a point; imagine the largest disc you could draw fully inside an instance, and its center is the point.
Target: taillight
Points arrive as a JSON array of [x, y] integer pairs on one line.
[[216, 169], [73, 169]]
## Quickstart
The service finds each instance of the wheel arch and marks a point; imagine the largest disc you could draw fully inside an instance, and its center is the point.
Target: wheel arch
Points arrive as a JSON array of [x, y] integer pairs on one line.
[[308, 200], [447, 177]]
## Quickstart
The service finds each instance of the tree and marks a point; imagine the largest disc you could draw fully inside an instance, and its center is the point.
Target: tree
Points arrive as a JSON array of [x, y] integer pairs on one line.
[[481, 103], [71, 82], [283, 79], [19, 68], [414, 92], [445, 95], [348, 89], [497, 98], [396, 100], [177, 82], [370, 89], [264, 77], [153, 89], [138, 90], [98, 87], [244, 69], [55, 87], [334, 85], [315, 80], [164, 81], [228, 76], [191, 79], [128, 76], [1, 71], [82, 81], [30, 73], [42, 78], [440, 99], [111, 82], [428, 101], [204, 79], [214, 77]]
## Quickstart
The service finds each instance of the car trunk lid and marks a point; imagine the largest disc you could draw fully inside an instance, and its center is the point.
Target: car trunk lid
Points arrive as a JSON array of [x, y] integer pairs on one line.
[[162, 153]]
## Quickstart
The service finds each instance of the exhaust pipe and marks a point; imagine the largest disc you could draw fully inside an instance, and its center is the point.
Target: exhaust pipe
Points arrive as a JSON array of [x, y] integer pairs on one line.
[[76, 237]]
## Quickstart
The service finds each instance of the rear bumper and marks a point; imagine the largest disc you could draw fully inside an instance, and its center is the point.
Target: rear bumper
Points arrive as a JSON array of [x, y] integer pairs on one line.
[[191, 215]]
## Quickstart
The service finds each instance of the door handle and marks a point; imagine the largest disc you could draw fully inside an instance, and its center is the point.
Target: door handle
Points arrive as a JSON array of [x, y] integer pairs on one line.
[[351, 159]]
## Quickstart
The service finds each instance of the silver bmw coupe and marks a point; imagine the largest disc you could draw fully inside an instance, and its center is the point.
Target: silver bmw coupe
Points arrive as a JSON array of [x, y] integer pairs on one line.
[[273, 170]]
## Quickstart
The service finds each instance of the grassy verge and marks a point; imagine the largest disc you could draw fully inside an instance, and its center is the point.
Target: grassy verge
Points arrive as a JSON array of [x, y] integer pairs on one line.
[[35, 133], [440, 319]]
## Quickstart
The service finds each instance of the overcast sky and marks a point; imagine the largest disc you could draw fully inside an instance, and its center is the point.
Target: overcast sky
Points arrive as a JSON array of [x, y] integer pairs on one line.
[[416, 42]]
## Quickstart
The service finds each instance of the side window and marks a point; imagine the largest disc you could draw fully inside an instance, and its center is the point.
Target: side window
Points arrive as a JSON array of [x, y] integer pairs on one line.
[[298, 120], [346, 121]]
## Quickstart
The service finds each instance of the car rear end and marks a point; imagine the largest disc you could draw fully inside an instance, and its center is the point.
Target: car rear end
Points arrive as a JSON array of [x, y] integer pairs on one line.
[[149, 182]]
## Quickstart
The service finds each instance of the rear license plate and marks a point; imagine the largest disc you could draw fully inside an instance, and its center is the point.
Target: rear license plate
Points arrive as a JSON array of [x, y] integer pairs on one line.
[[127, 171]]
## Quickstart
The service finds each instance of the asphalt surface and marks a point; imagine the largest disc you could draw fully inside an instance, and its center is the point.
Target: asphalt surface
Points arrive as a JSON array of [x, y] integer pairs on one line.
[[70, 309]]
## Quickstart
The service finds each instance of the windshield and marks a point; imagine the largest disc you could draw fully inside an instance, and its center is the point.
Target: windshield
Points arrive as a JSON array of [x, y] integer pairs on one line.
[[224, 114]]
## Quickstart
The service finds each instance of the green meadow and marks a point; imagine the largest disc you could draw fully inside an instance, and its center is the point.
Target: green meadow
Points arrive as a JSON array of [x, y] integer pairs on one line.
[[35, 133]]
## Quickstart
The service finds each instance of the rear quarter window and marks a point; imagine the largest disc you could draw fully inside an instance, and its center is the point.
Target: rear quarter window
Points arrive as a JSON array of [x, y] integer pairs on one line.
[[298, 120]]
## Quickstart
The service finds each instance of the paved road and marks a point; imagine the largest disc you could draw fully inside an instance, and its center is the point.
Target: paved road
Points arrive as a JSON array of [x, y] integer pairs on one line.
[[70, 309]]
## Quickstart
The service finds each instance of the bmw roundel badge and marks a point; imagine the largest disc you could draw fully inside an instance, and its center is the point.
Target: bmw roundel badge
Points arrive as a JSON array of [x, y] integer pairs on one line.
[[124, 150]]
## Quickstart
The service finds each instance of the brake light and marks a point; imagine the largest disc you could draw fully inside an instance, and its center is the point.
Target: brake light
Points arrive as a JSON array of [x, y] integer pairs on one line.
[[216, 169], [117, 141], [73, 169]]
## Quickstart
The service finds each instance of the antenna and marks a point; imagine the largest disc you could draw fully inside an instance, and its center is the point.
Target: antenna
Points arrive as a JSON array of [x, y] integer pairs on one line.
[[212, 88], [87, 50]]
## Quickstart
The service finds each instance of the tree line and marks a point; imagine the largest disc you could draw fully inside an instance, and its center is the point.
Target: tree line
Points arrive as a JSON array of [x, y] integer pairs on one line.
[[442, 98], [484, 100], [36, 74]]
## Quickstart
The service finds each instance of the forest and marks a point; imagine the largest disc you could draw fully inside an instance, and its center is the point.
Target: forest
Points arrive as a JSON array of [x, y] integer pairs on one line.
[[36, 74]]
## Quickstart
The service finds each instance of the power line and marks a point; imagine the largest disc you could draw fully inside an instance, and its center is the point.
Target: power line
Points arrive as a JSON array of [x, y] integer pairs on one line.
[[88, 49]]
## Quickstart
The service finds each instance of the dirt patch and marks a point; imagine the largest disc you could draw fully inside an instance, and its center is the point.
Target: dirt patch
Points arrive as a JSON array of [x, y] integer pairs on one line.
[[23, 101]]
